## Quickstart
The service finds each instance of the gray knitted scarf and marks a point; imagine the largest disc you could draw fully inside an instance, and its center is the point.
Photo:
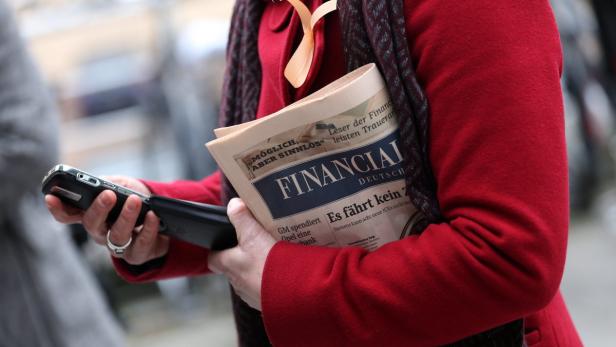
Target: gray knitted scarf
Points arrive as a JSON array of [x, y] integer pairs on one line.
[[372, 31]]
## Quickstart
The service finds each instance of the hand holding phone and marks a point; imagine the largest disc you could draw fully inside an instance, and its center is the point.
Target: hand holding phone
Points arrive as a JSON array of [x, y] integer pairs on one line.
[[122, 203], [147, 245]]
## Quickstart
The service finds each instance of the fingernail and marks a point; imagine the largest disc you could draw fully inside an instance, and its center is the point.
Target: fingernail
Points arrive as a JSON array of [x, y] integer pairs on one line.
[[234, 203]]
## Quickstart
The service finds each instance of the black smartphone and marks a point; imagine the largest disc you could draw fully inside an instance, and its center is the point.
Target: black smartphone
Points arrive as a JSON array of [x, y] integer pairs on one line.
[[79, 189], [201, 224]]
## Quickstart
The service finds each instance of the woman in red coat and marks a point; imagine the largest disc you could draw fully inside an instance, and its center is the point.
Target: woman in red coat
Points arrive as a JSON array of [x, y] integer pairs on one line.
[[491, 72]]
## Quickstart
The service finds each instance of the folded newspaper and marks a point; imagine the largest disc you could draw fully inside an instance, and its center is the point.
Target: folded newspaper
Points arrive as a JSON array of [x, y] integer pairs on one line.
[[326, 170]]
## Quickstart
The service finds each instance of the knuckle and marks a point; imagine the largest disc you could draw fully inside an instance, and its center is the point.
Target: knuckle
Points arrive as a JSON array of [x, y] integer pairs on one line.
[[99, 205], [131, 209], [143, 242], [146, 238]]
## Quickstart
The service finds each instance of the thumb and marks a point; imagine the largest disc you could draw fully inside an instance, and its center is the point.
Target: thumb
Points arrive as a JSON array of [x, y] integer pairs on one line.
[[239, 214], [245, 224]]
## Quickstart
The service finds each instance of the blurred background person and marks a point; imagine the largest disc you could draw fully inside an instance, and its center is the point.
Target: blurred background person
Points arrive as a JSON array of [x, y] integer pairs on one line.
[[47, 296]]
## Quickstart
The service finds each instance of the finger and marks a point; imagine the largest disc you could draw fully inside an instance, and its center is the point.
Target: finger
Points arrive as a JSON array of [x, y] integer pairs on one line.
[[145, 242], [129, 182], [94, 219], [245, 224], [239, 215], [62, 212], [122, 229]]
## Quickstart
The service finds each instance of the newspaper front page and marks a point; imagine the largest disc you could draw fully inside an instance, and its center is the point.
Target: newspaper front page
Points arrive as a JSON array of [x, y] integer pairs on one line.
[[326, 170]]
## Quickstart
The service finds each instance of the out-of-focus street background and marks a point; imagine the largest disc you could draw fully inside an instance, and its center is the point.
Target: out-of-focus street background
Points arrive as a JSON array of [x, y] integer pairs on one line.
[[137, 84]]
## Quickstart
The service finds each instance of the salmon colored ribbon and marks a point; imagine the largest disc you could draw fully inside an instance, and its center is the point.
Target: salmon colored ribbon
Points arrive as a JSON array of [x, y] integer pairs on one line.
[[298, 67]]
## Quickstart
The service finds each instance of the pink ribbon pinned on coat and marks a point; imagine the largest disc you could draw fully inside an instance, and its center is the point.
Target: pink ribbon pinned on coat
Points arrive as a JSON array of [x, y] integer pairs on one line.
[[298, 67]]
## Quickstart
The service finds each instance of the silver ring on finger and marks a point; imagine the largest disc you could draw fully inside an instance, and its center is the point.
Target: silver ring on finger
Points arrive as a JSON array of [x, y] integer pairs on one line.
[[118, 250]]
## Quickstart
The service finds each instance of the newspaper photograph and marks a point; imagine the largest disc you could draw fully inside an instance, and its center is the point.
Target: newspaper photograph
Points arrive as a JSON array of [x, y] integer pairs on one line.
[[326, 170]]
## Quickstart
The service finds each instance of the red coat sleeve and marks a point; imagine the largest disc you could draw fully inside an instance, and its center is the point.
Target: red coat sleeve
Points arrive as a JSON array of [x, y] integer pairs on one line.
[[183, 259], [205, 191], [491, 71]]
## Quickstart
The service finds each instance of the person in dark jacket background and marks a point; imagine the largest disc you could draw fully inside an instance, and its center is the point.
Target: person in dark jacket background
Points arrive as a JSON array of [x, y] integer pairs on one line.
[[47, 296]]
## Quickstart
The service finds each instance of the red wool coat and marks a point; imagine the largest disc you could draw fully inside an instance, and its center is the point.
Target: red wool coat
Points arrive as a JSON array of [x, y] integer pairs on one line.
[[491, 71]]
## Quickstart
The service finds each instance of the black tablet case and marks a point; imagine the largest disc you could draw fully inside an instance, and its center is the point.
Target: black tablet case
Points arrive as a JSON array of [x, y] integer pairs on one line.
[[204, 225]]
